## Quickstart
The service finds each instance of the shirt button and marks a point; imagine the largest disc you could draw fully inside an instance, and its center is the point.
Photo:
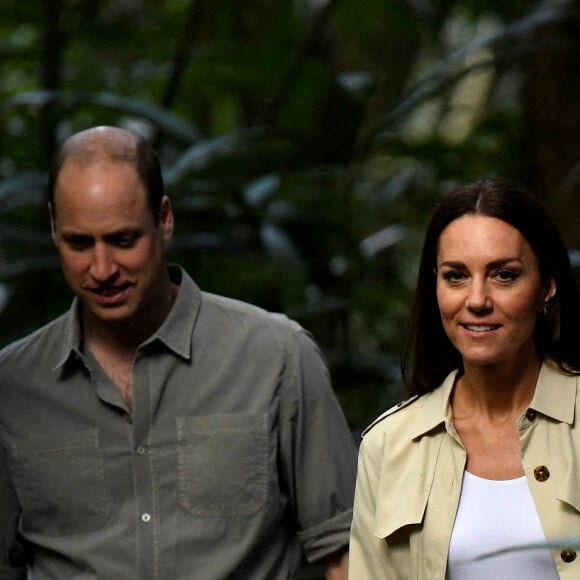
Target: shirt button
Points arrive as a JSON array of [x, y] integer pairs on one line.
[[531, 415], [146, 518], [568, 555], [140, 450], [541, 473]]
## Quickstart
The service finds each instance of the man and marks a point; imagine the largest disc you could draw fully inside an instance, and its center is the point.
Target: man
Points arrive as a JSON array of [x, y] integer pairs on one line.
[[155, 431]]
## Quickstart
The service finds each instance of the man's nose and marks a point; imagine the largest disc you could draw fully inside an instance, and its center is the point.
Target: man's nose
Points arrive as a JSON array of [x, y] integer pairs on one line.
[[103, 264]]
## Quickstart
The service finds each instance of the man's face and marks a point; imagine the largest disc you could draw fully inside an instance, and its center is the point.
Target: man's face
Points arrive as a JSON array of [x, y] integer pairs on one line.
[[111, 250]]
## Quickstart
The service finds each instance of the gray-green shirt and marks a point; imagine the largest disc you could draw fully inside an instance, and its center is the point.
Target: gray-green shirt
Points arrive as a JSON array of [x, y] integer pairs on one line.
[[234, 459]]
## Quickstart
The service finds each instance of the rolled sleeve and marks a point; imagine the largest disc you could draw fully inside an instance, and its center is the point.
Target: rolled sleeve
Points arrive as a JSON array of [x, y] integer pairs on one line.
[[320, 453], [326, 538]]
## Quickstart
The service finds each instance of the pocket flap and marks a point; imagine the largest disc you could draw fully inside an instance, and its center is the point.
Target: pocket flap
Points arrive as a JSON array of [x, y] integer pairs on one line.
[[395, 511], [405, 486]]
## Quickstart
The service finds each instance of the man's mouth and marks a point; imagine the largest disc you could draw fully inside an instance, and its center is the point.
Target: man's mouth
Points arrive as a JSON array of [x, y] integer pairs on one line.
[[109, 290], [109, 296]]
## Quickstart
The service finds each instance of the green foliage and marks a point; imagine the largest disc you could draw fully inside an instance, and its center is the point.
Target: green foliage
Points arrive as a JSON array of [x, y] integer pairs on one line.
[[303, 147]]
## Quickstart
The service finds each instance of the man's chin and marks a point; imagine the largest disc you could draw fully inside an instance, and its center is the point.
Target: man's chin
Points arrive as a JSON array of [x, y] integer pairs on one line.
[[114, 315]]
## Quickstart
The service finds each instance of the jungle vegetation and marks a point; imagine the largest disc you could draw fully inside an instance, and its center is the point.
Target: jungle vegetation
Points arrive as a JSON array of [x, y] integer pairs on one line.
[[304, 143]]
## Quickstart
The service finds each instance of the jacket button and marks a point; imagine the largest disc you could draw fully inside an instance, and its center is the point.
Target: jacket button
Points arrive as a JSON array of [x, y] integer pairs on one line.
[[531, 415], [541, 473], [568, 555]]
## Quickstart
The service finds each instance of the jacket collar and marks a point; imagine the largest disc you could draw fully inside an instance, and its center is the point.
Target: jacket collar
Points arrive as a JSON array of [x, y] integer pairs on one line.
[[551, 380], [436, 405]]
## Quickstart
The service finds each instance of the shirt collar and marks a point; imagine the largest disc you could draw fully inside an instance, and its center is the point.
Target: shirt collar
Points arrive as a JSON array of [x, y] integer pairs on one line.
[[175, 332], [71, 342]]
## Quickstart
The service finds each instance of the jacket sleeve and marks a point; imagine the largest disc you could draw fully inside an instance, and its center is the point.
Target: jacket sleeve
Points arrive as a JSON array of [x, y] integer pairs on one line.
[[12, 558], [318, 451], [369, 557]]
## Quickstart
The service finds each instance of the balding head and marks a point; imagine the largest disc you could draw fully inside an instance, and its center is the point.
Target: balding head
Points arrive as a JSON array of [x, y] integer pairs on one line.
[[111, 145], [107, 143]]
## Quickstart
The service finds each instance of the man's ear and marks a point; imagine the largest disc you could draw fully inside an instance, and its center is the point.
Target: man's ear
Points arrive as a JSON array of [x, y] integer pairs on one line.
[[166, 218], [52, 222]]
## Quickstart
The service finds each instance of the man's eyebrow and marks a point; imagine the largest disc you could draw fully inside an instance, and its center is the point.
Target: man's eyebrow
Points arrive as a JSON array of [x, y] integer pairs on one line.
[[125, 232], [75, 236]]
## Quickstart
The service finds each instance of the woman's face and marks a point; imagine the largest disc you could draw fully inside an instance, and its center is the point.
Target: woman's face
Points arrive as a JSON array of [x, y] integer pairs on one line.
[[489, 290]]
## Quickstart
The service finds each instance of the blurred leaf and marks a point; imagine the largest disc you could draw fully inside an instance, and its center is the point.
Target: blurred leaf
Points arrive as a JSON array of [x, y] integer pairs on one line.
[[21, 189], [164, 120], [517, 38], [279, 245], [202, 155], [259, 191]]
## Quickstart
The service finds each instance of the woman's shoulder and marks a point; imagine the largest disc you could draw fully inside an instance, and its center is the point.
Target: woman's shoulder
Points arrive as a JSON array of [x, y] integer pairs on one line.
[[400, 406], [416, 415]]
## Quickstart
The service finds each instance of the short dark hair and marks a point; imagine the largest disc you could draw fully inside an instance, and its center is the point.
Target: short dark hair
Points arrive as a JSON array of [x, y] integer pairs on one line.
[[139, 153], [429, 355]]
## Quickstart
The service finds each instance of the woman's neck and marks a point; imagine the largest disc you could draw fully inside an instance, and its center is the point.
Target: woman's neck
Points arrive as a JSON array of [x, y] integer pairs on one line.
[[496, 390]]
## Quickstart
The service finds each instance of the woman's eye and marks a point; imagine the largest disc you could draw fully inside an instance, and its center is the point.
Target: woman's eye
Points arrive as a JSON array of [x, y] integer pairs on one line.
[[453, 276], [506, 275]]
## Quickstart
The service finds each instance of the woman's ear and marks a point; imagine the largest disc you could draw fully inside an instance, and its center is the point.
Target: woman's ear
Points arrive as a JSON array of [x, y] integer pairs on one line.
[[549, 293]]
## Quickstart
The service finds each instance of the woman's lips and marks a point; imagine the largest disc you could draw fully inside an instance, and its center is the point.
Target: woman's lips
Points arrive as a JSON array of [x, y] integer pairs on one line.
[[481, 327]]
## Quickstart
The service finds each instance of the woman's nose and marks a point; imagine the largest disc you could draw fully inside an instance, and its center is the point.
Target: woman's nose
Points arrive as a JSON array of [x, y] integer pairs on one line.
[[478, 297]]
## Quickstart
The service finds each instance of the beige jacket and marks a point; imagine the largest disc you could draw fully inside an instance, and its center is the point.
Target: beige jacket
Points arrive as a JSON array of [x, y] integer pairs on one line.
[[411, 467]]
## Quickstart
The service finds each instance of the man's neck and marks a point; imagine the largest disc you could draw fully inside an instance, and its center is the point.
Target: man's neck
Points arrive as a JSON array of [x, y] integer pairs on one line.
[[122, 338]]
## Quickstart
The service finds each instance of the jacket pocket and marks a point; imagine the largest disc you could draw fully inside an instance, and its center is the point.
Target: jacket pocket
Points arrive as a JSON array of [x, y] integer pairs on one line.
[[223, 464], [399, 523], [395, 514], [60, 483]]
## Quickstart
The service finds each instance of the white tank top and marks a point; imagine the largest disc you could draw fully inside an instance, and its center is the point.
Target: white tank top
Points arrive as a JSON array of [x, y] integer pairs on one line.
[[493, 515]]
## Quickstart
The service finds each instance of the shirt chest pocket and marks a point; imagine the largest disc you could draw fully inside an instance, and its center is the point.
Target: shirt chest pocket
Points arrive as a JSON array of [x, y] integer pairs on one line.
[[60, 483], [223, 464]]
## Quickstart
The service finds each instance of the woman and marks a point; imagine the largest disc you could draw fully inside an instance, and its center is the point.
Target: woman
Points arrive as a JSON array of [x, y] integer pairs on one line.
[[485, 455]]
